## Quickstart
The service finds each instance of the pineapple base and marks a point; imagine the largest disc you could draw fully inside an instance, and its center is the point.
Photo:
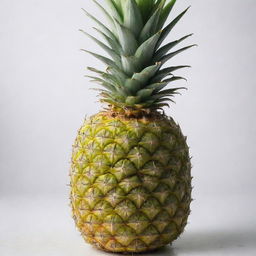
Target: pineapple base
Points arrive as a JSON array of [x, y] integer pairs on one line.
[[130, 182]]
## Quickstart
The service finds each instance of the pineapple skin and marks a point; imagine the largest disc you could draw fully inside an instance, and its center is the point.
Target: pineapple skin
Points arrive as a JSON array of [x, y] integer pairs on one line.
[[130, 182]]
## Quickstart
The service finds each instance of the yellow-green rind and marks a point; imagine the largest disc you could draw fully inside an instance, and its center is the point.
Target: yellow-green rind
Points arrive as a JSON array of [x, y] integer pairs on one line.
[[130, 182]]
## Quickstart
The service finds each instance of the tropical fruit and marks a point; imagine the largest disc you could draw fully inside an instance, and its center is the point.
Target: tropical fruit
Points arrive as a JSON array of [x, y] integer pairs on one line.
[[131, 170]]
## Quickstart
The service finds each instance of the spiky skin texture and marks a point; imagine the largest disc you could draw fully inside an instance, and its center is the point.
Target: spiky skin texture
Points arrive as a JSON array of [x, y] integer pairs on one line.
[[130, 182]]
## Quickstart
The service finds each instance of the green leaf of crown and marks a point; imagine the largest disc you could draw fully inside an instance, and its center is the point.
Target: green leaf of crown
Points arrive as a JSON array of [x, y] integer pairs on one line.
[[135, 77]]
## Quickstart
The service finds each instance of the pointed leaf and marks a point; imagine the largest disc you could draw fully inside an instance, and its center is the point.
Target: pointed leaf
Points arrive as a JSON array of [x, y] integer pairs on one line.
[[165, 72], [114, 10], [146, 50], [165, 13], [114, 96], [165, 49], [172, 91], [175, 78], [160, 4], [132, 85], [158, 78], [106, 14], [159, 99], [169, 27], [132, 100], [145, 93], [106, 76], [148, 103], [146, 7], [126, 39], [105, 60], [118, 73], [172, 54], [103, 27], [96, 70], [150, 27], [132, 18], [112, 54], [114, 44], [171, 69], [157, 86], [146, 74], [130, 65], [168, 81], [160, 105], [108, 101], [103, 83]]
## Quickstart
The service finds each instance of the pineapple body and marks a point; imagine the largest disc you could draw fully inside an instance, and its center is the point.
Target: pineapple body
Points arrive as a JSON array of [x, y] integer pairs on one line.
[[130, 182]]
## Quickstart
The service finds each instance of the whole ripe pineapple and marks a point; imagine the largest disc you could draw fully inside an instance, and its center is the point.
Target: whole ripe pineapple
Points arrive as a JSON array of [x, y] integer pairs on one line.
[[130, 175]]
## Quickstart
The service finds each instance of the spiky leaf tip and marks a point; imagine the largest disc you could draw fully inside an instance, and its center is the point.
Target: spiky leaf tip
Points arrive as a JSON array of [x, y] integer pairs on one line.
[[136, 76]]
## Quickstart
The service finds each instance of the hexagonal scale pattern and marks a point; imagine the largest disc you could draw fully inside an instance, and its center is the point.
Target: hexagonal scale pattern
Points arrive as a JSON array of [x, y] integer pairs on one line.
[[130, 183]]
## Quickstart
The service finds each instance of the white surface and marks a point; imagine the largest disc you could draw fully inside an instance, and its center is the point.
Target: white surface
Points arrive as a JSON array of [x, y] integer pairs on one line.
[[39, 226]]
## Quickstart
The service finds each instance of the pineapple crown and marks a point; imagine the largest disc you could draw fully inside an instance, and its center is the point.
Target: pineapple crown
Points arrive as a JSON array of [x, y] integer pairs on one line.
[[135, 79]]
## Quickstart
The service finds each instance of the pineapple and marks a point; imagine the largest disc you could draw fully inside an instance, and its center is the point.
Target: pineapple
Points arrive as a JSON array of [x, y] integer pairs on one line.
[[131, 170]]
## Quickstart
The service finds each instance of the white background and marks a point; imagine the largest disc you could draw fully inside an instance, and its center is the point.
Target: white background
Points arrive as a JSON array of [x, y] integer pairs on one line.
[[44, 99]]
